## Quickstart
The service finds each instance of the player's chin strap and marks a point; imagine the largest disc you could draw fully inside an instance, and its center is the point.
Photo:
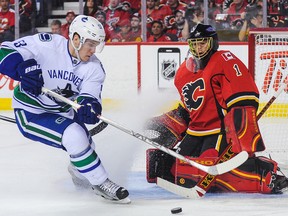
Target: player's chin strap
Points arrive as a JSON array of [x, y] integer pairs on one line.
[[77, 49], [216, 169]]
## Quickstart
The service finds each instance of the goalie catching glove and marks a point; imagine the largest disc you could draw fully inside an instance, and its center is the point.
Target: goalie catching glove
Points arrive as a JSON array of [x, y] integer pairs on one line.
[[30, 74], [169, 128], [89, 110]]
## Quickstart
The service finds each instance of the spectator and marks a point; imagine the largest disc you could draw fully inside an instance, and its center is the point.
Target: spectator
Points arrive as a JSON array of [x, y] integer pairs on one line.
[[105, 3], [125, 32], [156, 13], [277, 13], [101, 17], [193, 16], [27, 12], [214, 8], [56, 27], [136, 27], [135, 5], [235, 9], [114, 14], [70, 15], [157, 32], [126, 6], [253, 18], [176, 5], [178, 25], [7, 21], [42, 13], [90, 8]]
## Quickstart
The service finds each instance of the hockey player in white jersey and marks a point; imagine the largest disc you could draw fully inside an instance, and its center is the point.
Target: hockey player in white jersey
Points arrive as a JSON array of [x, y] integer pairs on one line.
[[70, 68]]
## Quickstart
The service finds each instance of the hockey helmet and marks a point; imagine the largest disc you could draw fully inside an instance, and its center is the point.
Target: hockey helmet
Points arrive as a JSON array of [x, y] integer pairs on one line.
[[202, 39], [87, 27]]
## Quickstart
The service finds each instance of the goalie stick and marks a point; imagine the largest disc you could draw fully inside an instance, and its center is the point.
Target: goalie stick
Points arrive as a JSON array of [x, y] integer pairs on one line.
[[216, 169], [205, 183]]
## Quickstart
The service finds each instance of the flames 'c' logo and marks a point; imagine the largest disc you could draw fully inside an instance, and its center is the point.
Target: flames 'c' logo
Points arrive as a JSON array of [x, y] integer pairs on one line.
[[193, 94]]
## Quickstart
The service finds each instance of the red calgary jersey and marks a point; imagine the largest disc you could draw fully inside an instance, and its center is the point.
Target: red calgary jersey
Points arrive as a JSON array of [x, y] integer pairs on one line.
[[114, 16], [7, 19], [208, 94], [163, 38], [235, 12], [65, 30], [158, 14]]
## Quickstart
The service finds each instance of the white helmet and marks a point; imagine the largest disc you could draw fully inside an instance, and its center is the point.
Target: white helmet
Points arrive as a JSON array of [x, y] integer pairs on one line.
[[87, 27]]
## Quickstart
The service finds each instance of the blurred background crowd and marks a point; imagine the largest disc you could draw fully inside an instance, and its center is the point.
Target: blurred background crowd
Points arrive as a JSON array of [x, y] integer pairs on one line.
[[126, 20]]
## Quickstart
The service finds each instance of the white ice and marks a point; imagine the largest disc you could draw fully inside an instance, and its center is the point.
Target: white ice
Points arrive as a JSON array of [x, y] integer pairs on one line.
[[34, 181]]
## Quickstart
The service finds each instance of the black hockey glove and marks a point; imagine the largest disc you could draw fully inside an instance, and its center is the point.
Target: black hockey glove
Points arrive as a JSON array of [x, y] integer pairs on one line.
[[89, 110], [31, 76]]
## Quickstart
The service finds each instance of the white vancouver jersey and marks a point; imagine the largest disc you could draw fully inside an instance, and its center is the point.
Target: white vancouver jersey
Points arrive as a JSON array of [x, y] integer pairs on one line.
[[62, 73]]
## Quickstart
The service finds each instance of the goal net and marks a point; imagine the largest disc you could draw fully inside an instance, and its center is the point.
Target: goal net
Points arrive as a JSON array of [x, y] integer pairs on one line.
[[268, 58]]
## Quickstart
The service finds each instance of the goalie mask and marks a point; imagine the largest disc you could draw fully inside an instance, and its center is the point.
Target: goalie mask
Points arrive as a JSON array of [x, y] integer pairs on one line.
[[203, 42], [87, 27]]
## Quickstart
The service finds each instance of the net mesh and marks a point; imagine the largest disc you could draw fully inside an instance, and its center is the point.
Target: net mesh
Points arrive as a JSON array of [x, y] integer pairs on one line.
[[271, 59]]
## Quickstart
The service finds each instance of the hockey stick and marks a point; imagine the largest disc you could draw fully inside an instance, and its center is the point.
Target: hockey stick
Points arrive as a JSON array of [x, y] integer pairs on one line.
[[213, 170], [205, 183], [95, 130], [8, 119], [272, 99], [98, 128], [200, 189]]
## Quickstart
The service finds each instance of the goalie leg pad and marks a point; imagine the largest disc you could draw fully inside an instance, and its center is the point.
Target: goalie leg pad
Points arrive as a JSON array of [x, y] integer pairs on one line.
[[256, 175], [242, 130], [158, 164], [188, 176]]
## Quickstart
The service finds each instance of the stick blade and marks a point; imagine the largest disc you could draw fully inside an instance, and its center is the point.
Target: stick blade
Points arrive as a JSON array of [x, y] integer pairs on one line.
[[191, 193], [229, 165]]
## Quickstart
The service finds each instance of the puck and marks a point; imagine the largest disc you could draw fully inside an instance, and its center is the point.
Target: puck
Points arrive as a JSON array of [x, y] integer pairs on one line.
[[176, 210]]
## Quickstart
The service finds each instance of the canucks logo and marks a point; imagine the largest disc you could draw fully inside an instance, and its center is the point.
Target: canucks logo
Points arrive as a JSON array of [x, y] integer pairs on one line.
[[168, 70], [67, 92]]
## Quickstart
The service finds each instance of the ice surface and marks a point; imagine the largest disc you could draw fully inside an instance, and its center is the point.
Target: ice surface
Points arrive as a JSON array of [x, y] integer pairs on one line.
[[34, 181]]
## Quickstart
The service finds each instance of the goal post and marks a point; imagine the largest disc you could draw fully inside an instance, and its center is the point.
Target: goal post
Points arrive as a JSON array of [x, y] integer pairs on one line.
[[268, 59]]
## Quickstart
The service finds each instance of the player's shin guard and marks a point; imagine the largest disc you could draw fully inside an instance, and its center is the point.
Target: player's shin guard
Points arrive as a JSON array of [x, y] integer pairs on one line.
[[82, 156], [89, 165]]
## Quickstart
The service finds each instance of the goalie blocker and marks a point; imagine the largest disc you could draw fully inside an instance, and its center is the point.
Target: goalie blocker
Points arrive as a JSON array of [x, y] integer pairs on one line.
[[256, 175], [169, 128]]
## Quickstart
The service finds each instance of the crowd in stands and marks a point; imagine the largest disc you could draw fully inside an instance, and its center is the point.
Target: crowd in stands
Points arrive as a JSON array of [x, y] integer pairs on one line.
[[167, 20], [27, 14]]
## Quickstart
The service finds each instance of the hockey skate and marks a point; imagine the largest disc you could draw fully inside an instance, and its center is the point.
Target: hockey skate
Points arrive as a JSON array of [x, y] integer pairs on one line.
[[79, 181], [111, 191], [279, 184]]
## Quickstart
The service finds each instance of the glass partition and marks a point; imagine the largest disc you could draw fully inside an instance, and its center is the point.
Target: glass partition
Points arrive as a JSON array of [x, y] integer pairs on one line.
[[143, 20]]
